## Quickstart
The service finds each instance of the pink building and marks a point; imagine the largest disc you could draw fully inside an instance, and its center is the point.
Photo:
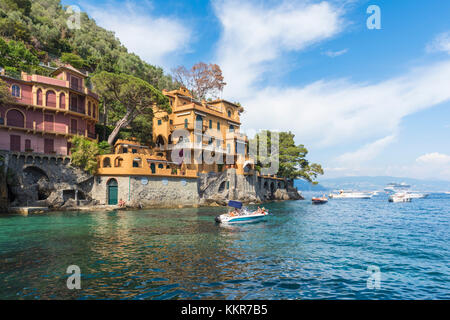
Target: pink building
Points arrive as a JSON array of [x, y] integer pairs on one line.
[[48, 111]]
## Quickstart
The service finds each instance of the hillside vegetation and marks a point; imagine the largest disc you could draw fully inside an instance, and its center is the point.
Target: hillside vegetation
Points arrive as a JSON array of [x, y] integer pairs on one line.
[[39, 31]]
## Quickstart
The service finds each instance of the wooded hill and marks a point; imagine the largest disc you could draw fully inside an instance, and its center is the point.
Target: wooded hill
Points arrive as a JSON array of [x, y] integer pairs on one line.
[[38, 29]]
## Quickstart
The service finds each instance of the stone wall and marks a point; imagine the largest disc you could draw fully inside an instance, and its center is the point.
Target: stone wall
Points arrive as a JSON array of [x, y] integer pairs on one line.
[[28, 179], [145, 192]]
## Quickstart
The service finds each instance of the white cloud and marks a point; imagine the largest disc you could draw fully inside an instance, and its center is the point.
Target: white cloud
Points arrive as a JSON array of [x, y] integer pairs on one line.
[[367, 152], [440, 43], [153, 38], [333, 54], [434, 158], [325, 112], [254, 34]]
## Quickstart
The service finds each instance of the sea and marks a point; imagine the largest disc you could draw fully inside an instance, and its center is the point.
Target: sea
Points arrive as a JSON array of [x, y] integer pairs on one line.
[[344, 249]]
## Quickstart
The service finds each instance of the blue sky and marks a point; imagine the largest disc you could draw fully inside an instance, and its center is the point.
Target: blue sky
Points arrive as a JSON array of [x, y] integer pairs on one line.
[[364, 102]]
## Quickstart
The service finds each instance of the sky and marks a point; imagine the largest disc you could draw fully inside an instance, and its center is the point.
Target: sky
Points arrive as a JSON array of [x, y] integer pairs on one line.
[[363, 101]]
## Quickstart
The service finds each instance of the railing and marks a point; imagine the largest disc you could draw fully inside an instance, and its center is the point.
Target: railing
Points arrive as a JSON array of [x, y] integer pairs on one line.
[[76, 87]]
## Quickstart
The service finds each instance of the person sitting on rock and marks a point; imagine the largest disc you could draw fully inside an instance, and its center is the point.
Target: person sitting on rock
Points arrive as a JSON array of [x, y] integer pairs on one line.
[[121, 203]]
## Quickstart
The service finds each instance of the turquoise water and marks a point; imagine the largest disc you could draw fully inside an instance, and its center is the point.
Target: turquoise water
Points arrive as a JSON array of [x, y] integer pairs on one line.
[[301, 252]]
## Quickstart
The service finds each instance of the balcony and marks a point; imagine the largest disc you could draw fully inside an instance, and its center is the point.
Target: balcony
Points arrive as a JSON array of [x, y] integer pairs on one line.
[[77, 109]]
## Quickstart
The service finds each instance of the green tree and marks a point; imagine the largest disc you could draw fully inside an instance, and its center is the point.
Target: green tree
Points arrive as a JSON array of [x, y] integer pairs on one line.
[[73, 59], [292, 158], [84, 153], [5, 95], [14, 54], [126, 97]]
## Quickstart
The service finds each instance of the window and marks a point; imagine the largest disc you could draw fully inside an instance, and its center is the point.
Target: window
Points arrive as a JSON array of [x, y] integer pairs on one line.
[[152, 167], [229, 114], [137, 163], [133, 150], [160, 166], [159, 122], [210, 124], [27, 145], [15, 91], [50, 100], [125, 150], [231, 128], [107, 163], [218, 125], [39, 97], [185, 123], [171, 121]]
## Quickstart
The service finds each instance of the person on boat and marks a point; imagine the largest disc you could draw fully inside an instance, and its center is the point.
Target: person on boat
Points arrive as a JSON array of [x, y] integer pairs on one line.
[[263, 210]]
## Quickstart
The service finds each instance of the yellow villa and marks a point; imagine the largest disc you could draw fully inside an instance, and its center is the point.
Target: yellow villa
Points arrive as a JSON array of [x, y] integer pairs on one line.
[[199, 156], [191, 130]]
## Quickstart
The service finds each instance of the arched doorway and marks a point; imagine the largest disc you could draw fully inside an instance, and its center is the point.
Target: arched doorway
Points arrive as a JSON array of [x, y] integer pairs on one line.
[[113, 191]]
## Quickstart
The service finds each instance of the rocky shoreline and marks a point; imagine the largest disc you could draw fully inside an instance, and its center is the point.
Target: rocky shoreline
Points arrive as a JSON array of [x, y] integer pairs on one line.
[[39, 181]]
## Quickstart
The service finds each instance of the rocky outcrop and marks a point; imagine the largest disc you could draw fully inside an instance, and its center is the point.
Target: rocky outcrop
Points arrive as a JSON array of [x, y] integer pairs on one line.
[[218, 188], [43, 180]]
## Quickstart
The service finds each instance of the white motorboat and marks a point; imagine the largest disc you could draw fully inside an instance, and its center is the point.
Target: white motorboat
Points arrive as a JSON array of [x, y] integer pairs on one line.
[[400, 197], [417, 195], [396, 187], [351, 195], [241, 215]]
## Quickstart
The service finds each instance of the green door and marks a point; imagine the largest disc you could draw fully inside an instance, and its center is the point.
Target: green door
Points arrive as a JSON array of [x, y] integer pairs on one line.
[[113, 192]]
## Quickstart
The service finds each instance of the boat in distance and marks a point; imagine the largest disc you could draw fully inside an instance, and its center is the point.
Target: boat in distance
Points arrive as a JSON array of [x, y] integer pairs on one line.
[[395, 187], [241, 215], [319, 200], [400, 197], [351, 195]]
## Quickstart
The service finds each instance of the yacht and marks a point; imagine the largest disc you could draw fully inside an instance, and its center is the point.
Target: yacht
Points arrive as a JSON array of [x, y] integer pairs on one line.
[[400, 197], [395, 187], [417, 195], [351, 195]]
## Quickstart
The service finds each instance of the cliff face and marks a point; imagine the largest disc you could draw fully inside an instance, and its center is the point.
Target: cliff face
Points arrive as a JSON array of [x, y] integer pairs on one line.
[[220, 187]]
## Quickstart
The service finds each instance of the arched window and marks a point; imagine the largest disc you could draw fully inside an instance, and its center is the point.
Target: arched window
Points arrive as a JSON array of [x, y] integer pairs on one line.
[[229, 113], [198, 122], [160, 142], [62, 101], [15, 118], [50, 100], [107, 163], [118, 162], [15, 91], [39, 97]]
